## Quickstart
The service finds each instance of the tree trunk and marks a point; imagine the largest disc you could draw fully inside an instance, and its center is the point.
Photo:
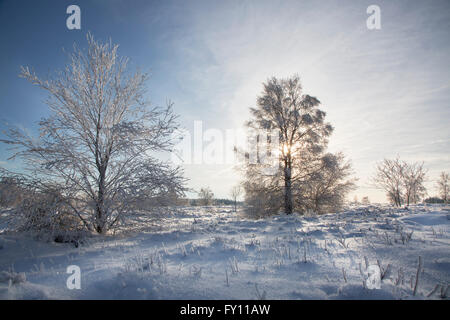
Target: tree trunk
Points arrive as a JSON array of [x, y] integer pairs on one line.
[[398, 201], [100, 214], [100, 225], [287, 188], [410, 195]]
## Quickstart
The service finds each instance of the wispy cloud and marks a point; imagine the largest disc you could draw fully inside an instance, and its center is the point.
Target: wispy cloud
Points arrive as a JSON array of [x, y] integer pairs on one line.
[[384, 91]]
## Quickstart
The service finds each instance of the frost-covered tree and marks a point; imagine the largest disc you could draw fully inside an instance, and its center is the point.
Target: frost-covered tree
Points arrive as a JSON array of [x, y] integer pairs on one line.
[[443, 186], [98, 143], [206, 196], [389, 177], [414, 176], [302, 167], [325, 189], [38, 205], [402, 181]]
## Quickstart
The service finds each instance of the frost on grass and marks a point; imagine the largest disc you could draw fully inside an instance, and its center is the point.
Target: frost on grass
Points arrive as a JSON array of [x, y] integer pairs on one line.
[[215, 253]]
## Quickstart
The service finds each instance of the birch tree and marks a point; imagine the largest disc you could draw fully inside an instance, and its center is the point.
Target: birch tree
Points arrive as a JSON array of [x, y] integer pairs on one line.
[[100, 140], [303, 133]]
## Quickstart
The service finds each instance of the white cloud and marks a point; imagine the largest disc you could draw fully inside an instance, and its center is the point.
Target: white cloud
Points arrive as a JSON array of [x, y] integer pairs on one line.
[[383, 90]]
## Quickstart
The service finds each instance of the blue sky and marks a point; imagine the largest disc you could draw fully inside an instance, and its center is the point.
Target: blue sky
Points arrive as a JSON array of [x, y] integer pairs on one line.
[[386, 91]]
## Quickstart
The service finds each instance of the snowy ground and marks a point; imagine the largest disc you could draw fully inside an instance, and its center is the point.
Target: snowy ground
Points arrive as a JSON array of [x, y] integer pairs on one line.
[[213, 253]]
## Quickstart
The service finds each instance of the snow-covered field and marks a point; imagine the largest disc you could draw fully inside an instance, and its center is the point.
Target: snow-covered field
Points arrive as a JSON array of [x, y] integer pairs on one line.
[[214, 253]]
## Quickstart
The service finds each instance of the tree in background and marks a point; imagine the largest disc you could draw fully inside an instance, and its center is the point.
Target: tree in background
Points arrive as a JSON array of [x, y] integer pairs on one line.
[[365, 200], [235, 193], [97, 144], [389, 177], [413, 180], [402, 181], [305, 177], [206, 196], [443, 186], [434, 200]]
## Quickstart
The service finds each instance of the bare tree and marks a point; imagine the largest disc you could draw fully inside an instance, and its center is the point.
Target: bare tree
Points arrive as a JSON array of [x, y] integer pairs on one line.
[[389, 177], [97, 144], [206, 196], [285, 109], [402, 181], [414, 176], [235, 192], [443, 186]]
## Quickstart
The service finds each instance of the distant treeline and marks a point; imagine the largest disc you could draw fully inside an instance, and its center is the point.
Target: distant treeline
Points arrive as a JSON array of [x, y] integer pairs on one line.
[[215, 202], [434, 200]]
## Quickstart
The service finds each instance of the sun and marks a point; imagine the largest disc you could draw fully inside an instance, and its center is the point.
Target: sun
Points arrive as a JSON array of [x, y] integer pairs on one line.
[[286, 148]]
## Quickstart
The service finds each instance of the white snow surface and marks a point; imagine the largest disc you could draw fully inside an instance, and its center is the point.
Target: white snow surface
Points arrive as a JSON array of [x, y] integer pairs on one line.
[[215, 253]]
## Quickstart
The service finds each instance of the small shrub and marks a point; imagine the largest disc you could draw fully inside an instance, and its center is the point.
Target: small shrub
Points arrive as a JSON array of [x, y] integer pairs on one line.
[[12, 277], [48, 216]]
